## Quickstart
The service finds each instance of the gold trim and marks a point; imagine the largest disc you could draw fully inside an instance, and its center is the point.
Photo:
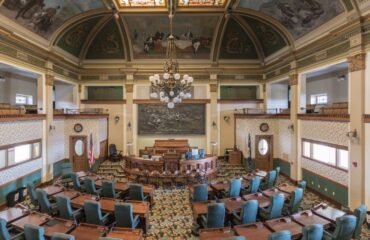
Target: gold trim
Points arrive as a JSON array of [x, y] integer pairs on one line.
[[357, 62]]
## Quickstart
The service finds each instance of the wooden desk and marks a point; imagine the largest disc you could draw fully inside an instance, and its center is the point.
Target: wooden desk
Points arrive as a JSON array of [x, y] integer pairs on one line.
[[67, 193], [144, 164], [86, 231], [216, 233], [254, 173], [107, 204], [53, 189], [308, 218], [32, 218], [263, 201], [233, 204], [327, 212], [200, 208], [272, 191], [93, 177], [126, 233], [285, 223], [119, 186], [12, 214], [224, 186], [80, 200], [57, 225], [208, 164], [287, 188], [191, 190], [235, 157], [255, 231], [141, 208]]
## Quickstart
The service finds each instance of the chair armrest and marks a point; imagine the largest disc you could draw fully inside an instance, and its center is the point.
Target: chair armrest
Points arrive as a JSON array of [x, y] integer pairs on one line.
[[18, 236], [262, 210], [136, 220], [327, 236], [203, 221], [146, 197], [105, 218], [237, 217]]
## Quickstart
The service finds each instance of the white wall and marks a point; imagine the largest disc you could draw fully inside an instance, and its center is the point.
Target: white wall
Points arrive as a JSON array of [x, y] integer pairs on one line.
[[17, 84], [64, 96], [278, 96]]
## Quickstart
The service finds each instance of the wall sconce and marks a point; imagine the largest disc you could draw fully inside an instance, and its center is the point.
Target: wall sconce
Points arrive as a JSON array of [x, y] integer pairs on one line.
[[51, 127], [352, 135], [129, 126], [116, 119], [227, 118], [214, 125], [291, 127]]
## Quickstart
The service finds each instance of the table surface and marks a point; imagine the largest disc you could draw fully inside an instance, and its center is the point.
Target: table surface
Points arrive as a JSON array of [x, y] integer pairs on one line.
[[86, 231], [191, 189], [255, 231], [216, 233], [307, 218], [200, 208], [32, 218], [126, 233], [285, 223], [263, 201], [233, 204], [53, 189], [272, 191], [119, 186], [80, 200], [224, 186], [328, 212], [287, 188], [57, 225], [67, 193], [14, 213]]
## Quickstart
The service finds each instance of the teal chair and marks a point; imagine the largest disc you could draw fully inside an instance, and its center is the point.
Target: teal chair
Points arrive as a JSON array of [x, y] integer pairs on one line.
[[5, 234], [65, 210], [62, 236], [248, 213], [89, 186], [312, 232], [268, 181], [93, 213], [200, 193], [33, 232], [108, 189], [360, 214], [32, 192], [215, 216], [344, 228], [45, 205], [124, 216], [294, 202], [302, 184], [277, 169], [76, 182], [254, 185], [234, 189], [136, 192], [235, 238], [275, 208], [281, 235], [66, 173]]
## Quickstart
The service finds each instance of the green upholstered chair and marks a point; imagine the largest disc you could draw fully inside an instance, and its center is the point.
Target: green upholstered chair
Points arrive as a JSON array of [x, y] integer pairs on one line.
[[65, 210], [124, 216], [360, 214], [294, 203], [253, 186], [33, 232], [281, 235], [344, 228], [277, 169], [32, 192], [302, 184], [275, 208], [109, 189], [200, 193], [76, 182], [234, 188], [66, 173], [248, 213], [312, 232], [136, 192], [93, 213], [215, 216], [89, 186], [62, 236], [45, 205], [268, 181], [5, 234]]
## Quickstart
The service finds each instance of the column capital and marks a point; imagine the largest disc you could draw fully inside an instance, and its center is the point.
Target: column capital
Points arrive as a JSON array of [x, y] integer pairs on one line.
[[49, 80], [213, 87], [129, 88], [357, 62], [293, 79]]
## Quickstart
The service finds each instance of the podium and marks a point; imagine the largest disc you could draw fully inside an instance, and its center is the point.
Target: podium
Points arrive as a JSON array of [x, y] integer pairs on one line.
[[235, 157]]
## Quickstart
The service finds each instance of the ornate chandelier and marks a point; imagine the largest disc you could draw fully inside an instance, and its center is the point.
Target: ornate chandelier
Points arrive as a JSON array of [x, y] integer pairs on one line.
[[171, 89]]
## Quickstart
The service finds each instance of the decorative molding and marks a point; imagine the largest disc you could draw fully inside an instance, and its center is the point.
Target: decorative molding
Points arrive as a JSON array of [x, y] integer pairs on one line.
[[226, 101], [324, 117], [49, 80], [122, 101], [357, 62], [213, 88], [293, 78], [324, 177], [186, 101], [80, 116], [262, 116], [129, 88], [22, 117]]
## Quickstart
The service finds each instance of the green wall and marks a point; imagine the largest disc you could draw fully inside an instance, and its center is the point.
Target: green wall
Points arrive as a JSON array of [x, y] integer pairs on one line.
[[57, 167], [284, 166], [238, 92]]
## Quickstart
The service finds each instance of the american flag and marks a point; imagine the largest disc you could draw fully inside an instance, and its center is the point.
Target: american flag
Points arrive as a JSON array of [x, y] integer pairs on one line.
[[91, 152]]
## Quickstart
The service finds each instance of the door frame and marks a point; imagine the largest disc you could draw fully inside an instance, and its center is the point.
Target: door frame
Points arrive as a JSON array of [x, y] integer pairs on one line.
[[71, 150], [271, 148]]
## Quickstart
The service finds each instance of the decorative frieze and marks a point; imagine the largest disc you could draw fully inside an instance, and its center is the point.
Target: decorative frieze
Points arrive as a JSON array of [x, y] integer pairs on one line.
[[49, 80], [213, 88], [293, 78], [357, 62], [129, 88]]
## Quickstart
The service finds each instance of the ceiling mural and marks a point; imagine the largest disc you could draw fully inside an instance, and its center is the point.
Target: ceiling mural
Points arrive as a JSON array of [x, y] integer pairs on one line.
[[271, 41], [107, 44], [194, 35], [236, 44], [299, 17], [73, 40], [45, 16]]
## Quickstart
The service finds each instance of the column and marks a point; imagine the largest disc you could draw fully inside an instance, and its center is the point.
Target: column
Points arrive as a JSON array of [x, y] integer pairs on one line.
[[367, 133], [130, 126], [295, 167], [213, 141]]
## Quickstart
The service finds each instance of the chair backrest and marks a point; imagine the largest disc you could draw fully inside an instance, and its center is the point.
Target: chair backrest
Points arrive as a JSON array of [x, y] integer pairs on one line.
[[66, 168], [277, 169], [89, 185], [124, 215], [200, 193], [312, 232], [4, 233], [215, 215], [64, 207], [108, 189], [62, 236], [31, 191], [302, 184], [345, 227], [295, 200], [93, 212], [136, 192], [234, 187], [255, 184], [249, 211], [276, 205], [360, 214], [282, 235], [76, 181], [112, 149], [42, 198], [270, 178], [33, 232]]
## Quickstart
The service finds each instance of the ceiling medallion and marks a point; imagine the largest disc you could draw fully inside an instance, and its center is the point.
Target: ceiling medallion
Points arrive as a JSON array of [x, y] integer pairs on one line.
[[171, 89]]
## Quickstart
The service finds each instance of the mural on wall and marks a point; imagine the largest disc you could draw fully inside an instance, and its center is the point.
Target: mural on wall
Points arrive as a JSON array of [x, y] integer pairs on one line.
[[299, 17], [160, 120], [45, 16], [194, 35], [236, 44]]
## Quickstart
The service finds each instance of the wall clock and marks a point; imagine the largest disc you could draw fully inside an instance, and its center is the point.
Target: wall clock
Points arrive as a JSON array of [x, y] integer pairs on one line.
[[78, 127], [264, 127]]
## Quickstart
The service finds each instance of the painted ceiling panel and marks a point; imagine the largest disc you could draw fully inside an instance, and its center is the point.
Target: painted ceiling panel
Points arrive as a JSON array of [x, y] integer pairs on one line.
[[73, 40], [236, 44], [44, 16], [194, 35], [271, 41], [107, 43], [298, 16]]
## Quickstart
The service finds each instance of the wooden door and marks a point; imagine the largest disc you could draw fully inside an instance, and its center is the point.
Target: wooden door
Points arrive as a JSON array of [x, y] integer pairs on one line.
[[78, 153], [264, 152]]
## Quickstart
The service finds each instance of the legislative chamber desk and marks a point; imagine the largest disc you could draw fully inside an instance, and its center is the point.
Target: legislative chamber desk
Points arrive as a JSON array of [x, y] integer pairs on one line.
[[85, 231], [216, 233], [254, 231], [57, 225], [329, 213], [126, 233], [308, 218], [285, 223], [12, 214]]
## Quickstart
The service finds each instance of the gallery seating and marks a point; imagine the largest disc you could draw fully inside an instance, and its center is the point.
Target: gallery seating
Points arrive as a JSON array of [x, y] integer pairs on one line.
[[275, 207], [124, 216], [248, 213], [312, 232]]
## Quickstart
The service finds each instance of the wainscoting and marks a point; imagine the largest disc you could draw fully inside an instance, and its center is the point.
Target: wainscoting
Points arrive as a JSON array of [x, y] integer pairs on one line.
[[284, 166]]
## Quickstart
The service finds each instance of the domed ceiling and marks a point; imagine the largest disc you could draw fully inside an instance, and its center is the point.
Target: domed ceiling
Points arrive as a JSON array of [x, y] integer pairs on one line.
[[204, 29]]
